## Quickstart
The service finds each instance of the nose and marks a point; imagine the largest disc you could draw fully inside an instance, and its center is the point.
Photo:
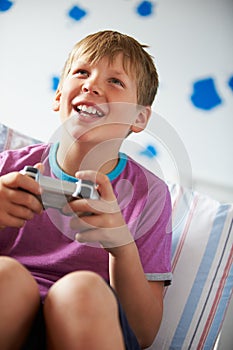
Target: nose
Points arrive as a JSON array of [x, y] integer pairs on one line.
[[92, 86]]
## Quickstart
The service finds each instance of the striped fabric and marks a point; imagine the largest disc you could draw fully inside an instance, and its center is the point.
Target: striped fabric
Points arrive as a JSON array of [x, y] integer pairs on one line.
[[202, 254], [12, 139], [197, 300]]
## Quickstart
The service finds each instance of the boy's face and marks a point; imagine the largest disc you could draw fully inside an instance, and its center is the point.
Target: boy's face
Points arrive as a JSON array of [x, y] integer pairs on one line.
[[101, 98]]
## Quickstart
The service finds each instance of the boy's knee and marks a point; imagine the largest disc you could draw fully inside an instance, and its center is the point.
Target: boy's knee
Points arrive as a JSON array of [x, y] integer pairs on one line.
[[75, 285], [19, 301], [76, 304], [16, 279], [83, 290], [8, 264]]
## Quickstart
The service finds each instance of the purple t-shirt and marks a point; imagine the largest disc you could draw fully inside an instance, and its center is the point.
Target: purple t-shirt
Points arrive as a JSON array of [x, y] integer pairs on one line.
[[46, 245]]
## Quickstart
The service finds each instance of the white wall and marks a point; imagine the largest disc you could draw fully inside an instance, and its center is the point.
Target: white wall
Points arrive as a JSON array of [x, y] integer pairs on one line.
[[191, 41]]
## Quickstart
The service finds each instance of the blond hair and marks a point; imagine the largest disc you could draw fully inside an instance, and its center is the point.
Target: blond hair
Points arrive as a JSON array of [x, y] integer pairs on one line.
[[135, 58]]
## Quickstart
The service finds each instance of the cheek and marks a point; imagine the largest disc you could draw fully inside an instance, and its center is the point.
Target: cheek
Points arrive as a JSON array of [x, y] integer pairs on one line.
[[67, 96], [116, 131], [70, 87], [124, 113]]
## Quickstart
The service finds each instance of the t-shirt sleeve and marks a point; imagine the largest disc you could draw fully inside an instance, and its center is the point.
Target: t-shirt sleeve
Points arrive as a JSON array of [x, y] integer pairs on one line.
[[150, 224], [15, 160], [155, 237], [145, 202]]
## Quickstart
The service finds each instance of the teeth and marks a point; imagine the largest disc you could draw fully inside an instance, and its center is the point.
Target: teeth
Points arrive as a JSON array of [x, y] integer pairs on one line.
[[89, 110]]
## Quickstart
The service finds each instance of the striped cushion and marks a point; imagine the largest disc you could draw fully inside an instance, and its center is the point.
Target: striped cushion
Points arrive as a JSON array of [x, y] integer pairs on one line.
[[202, 254], [12, 139]]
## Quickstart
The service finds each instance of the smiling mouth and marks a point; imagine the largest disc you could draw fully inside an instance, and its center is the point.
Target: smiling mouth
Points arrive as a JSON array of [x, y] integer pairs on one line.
[[89, 111]]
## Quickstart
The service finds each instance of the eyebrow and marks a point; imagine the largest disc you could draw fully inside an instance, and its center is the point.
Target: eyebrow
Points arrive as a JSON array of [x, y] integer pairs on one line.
[[115, 72], [120, 73]]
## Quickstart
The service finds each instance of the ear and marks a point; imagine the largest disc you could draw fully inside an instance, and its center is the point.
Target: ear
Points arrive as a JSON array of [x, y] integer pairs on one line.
[[142, 119], [56, 101]]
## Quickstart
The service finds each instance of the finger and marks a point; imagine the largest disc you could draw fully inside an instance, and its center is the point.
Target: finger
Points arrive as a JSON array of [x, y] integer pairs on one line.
[[78, 207], [20, 212], [107, 238], [16, 180], [80, 224], [100, 206], [102, 181], [11, 221], [25, 200], [112, 223], [40, 167], [87, 236]]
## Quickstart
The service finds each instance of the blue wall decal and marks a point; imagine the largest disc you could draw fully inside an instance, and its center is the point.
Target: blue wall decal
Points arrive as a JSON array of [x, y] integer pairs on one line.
[[230, 83], [150, 152], [55, 82], [145, 8], [205, 95], [5, 5], [77, 13]]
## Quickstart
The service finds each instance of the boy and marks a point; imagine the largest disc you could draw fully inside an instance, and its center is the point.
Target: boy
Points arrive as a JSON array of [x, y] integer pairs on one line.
[[106, 90]]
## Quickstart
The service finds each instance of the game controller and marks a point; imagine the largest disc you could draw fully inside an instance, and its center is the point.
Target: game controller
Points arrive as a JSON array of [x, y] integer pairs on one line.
[[56, 193]]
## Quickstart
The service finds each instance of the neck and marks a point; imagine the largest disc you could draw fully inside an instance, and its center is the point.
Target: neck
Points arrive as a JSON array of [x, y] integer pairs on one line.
[[76, 156]]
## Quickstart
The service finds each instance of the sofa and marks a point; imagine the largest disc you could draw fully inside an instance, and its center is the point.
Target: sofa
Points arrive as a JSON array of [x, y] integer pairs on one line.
[[196, 303]]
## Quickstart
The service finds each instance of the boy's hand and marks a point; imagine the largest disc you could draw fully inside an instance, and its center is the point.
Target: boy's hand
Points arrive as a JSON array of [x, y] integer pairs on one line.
[[17, 199], [106, 224]]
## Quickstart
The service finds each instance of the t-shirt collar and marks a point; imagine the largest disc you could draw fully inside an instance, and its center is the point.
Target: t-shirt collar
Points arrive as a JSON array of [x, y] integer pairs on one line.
[[60, 174]]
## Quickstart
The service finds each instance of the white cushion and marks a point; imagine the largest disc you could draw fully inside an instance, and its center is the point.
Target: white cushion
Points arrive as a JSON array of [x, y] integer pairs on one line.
[[196, 302]]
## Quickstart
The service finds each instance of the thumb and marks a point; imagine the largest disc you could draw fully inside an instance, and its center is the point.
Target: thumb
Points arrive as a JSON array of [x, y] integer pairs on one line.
[[40, 167]]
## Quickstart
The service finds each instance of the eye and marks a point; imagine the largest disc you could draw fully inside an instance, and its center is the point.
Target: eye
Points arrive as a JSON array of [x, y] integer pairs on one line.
[[116, 81], [81, 72]]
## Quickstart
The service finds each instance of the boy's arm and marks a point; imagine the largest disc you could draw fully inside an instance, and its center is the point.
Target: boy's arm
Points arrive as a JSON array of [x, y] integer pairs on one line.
[[142, 300]]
